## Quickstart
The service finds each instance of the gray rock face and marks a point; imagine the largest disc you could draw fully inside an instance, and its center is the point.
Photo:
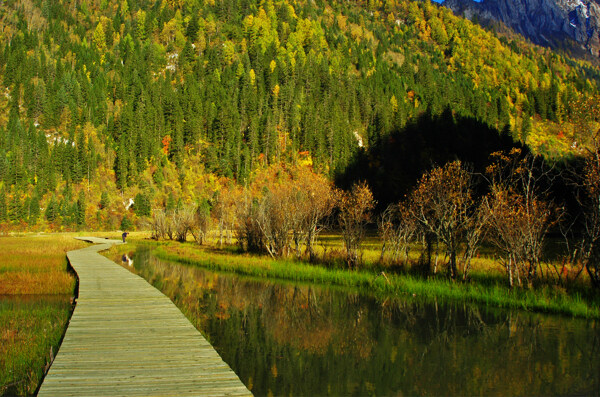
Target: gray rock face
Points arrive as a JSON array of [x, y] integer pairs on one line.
[[552, 23]]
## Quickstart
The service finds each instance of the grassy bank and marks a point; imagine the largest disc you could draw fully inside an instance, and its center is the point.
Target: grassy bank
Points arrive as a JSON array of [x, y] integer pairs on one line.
[[35, 293], [487, 289]]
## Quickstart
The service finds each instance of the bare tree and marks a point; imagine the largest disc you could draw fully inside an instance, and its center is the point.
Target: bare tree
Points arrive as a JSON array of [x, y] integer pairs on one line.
[[397, 229], [518, 215], [284, 205], [183, 221], [158, 224], [173, 224], [275, 218], [249, 234], [355, 209], [475, 233], [385, 227], [587, 249], [264, 215]]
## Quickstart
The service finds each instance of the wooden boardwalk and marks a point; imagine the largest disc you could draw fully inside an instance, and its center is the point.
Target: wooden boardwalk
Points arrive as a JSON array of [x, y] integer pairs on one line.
[[126, 338]]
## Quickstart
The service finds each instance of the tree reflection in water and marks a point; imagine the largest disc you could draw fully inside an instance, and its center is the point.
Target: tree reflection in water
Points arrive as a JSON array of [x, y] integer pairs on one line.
[[286, 339]]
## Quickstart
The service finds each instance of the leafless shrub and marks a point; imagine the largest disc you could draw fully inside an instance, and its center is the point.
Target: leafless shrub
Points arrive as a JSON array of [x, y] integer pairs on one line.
[[397, 229], [284, 206], [224, 212], [184, 218], [161, 225], [585, 251], [517, 214]]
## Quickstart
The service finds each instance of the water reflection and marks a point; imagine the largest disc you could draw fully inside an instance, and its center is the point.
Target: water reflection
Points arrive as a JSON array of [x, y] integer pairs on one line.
[[286, 339]]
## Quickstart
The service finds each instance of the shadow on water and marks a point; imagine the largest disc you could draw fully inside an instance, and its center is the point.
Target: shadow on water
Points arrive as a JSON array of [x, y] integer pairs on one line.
[[300, 340]]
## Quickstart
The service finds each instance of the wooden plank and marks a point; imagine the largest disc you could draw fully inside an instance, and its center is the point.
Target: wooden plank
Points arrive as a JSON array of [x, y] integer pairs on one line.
[[126, 338]]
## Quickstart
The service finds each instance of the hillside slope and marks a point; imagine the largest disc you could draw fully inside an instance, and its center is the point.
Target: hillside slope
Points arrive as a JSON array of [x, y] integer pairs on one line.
[[103, 101]]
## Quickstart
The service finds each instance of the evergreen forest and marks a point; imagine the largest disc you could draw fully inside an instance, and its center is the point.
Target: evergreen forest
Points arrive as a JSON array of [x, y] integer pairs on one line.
[[111, 109]]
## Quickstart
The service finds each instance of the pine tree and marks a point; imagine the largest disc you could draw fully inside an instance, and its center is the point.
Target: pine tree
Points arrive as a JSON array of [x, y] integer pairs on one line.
[[142, 205], [104, 201], [15, 209], [80, 209], [33, 209], [121, 164], [126, 223], [3, 206], [52, 211]]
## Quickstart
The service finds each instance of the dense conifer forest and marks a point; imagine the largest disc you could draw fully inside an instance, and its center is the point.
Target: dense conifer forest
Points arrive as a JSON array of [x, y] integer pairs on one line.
[[165, 102]]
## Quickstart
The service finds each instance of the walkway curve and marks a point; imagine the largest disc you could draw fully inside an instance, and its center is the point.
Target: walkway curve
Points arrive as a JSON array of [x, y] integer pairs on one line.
[[126, 338]]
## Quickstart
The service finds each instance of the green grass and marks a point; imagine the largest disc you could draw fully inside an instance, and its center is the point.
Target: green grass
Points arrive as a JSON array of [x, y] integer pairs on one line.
[[30, 332], [491, 291]]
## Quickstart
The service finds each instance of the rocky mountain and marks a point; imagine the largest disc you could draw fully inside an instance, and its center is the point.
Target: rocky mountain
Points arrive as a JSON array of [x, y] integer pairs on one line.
[[571, 25]]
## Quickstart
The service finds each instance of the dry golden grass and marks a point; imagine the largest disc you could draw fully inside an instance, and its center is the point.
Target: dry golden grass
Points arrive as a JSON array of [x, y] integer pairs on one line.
[[35, 308], [36, 264]]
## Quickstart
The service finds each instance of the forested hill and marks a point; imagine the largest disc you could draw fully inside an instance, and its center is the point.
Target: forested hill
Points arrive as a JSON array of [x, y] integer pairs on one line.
[[167, 100]]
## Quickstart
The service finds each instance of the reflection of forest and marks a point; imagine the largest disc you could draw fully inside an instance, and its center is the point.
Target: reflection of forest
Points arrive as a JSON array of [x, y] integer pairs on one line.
[[304, 340]]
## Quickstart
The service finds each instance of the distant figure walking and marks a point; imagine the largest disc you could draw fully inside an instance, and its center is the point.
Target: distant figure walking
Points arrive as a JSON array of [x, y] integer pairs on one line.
[[124, 235]]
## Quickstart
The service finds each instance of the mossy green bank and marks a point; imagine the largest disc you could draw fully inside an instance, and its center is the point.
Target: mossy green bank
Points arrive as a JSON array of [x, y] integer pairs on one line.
[[493, 293]]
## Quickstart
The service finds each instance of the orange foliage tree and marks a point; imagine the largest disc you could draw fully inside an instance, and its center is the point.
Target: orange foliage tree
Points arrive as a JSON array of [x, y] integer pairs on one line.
[[443, 206], [284, 204], [354, 208], [519, 216]]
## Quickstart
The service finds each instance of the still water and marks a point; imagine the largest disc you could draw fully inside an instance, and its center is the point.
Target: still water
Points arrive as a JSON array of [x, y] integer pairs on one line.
[[285, 339]]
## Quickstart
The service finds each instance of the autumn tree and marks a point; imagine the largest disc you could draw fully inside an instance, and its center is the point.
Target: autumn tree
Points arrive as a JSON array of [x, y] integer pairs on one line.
[[264, 213], [519, 216], [224, 212], [586, 249], [201, 223], [354, 213], [443, 206], [312, 202]]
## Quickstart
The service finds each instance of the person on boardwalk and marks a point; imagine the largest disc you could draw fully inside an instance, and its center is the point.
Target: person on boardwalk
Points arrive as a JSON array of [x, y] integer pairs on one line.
[[124, 235]]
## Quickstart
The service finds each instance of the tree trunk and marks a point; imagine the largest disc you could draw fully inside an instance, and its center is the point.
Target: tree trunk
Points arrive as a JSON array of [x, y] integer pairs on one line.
[[220, 233], [510, 275], [453, 264], [383, 247]]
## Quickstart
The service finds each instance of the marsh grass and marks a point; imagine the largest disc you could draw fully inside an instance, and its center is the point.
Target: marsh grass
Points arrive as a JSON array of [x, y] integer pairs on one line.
[[487, 285], [35, 292], [36, 264], [30, 331]]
